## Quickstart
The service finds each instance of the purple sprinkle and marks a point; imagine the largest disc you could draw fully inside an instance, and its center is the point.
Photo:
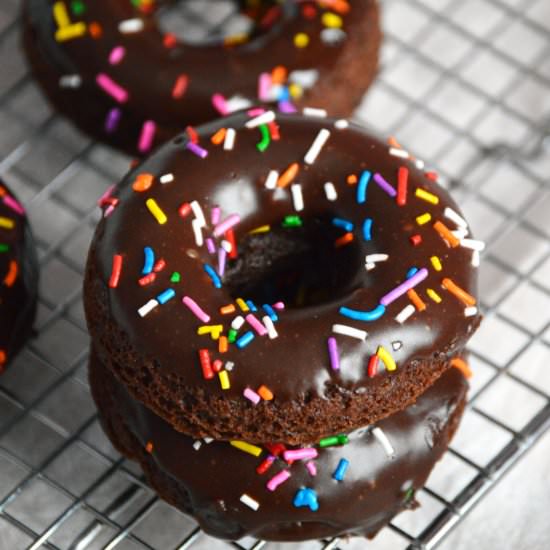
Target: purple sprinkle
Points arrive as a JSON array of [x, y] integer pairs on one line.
[[385, 185], [222, 257], [211, 247], [197, 150], [333, 353], [287, 107], [418, 277], [113, 118]]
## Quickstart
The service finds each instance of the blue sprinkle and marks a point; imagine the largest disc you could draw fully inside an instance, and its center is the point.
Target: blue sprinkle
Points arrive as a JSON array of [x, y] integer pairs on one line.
[[245, 339], [367, 226], [284, 94], [362, 187], [411, 272], [251, 306], [271, 312], [168, 294], [340, 471], [211, 272], [346, 225], [149, 260], [357, 315], [306, 497]]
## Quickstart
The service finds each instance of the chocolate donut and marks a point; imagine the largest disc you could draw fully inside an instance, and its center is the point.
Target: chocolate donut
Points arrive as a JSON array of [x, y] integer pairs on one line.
[[18, 277], [111, 68], [369, 255], [355, 484]]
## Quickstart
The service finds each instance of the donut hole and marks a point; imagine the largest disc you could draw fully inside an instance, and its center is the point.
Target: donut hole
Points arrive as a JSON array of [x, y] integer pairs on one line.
[[217, 22], [300, 266]]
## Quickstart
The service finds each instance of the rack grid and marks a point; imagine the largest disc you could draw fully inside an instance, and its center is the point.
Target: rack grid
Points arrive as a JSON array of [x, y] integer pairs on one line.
[[465, 86]]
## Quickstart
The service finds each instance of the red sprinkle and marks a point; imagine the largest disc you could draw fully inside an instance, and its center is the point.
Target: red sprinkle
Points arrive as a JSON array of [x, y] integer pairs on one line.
[[373, 366], [230, 238], [115, 273], [217, 365], [416, 239], [433, 176], [265, 465], [180, 86], [147, 279], [192, 134], [169, 40], [275, 449], [206, 365], [274, 131], [184, 210], [402, 182], [159, 266]]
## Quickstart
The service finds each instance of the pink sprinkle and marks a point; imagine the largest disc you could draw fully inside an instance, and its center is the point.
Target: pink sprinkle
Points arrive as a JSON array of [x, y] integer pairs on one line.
[[109, 210], [197, 150], [278, 479], [251, 395], [107, 195], [333, 353], [112, 88], [210, 246], [227, 224], [215, 215], [220, 104], [222, 257], [196, 309], [300, 454], [147, 135], [256, 325], [117, 55], [10, 202], [311, 468], [279, 306], [264, 86], [257, 111]]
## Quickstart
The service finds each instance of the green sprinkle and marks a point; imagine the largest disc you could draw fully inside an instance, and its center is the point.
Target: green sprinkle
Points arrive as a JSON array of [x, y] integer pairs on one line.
[[292, 221], [232, 336], [175, 278], [266, 138], [333, 440], [77, 7], [409, 494], [4, 247]]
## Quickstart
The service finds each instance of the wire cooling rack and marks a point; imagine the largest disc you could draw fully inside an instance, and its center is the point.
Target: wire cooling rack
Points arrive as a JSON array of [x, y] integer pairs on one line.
[[465, 86]]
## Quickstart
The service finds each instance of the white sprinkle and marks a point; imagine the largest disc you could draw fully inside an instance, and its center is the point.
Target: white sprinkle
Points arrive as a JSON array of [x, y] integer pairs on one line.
[[369, 266], [396, 345], [208, 440], [375, 258], [420, 164], [332, 35], [401, 153], [237, 103], [330, 191], [129, 26], [197, 445], [306, 78], [272, 178], [197, 230], [476, 258], [264, 118], [238, 322], [229, 141], [311, 111], [297, 197], [147, 308], [199, 215], [455, 217], [226, 245], [341, 124], [250, 502], [167, 178], [70, 81], [460, 233], [317, 145], [346, 330], [229, 366], [473, 244], [271, 331], [384, 441], [405, 313], [470, 311]]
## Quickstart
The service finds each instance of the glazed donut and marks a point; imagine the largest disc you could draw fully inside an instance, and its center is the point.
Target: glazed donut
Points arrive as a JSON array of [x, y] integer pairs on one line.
[[18, 277], [355, 484], [279, 285], [111, 68]]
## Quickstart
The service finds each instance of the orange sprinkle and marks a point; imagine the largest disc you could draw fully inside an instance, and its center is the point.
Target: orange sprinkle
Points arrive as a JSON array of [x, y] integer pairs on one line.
[[265, 393], [226, 310], [339, 6], [461, 294], [3, 357], [2, 191], [95, 30], [445, 234], [143, 182], [352, 179], [11, 276], [222, 344], [219, 136], [416, 300], [462, 366], [343, 240], [149, 447], [278, 75], [288, 175], [392, 142]]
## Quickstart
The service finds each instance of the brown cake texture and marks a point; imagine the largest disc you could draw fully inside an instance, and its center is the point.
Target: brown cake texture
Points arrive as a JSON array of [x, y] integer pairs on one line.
[[111, 69]]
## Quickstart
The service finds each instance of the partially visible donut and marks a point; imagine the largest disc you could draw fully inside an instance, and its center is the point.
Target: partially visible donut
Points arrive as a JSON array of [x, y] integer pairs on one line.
[[367, 252], [110, 68], [18, 277]]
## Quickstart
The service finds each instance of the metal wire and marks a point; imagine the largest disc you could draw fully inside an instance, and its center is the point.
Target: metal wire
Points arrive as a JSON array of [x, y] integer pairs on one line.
[[61, 484]]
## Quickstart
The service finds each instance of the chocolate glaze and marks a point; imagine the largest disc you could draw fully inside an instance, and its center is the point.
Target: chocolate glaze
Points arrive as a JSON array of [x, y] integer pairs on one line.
[[157, 356], [17, 295], [149, 69], [209, 482]]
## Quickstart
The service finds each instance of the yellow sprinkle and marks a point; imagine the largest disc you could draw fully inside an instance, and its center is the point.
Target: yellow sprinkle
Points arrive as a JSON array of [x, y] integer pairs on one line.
[[386, 358], [72, 31], [434, 295], [155, 209], [224, 379], [332, 20], [61, 14], [296, 91], [436, 262], [301, 40], [242, 304], [6, 223], [426, 196], [213, 330], [424, 218], [247, 447], [261, 229], [236, 39]]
